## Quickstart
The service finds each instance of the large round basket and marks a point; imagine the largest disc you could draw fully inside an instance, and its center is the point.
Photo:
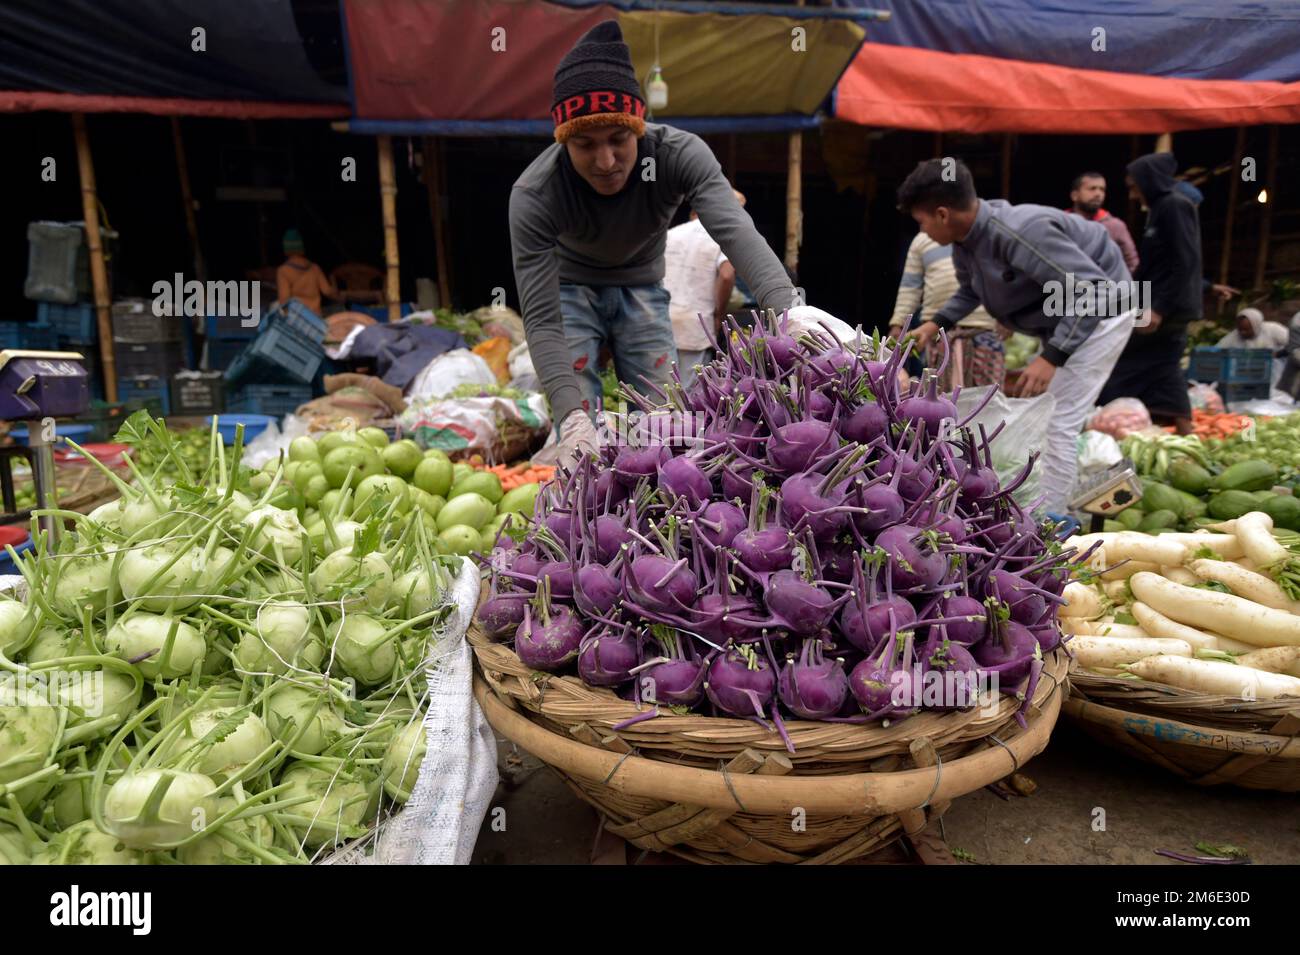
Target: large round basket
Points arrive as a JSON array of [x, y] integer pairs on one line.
[[716, 790], [1207, 740]]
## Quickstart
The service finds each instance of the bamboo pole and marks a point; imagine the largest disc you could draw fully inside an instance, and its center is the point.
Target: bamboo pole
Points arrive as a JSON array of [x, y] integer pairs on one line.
[[187, 200], [435, 184], [388, 201], [1234, 181], [794, 202], [1266, 220], [1165, 143], [98, 274]]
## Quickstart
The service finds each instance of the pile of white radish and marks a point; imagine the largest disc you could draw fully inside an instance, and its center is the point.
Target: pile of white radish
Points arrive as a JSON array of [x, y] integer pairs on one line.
[[1212, 611]]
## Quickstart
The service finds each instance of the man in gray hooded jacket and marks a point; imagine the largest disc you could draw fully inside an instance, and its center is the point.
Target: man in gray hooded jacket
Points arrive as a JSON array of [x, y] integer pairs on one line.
[[1040, 271]]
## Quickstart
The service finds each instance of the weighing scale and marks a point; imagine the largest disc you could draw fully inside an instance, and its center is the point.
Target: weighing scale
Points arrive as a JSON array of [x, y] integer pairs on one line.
[[1107, 493], [35, 388]]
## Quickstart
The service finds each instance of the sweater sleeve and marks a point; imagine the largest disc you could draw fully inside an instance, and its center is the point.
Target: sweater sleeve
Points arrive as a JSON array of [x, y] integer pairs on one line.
[[963, 301], [699, 177], [1124, 239], [537, 276]]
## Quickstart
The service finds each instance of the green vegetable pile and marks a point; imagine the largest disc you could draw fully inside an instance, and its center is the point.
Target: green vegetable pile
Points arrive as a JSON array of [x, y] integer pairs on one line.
[[484, 391], [1020, 349], [215, 683], [462, 509], [1276, 440], [1188, 483]]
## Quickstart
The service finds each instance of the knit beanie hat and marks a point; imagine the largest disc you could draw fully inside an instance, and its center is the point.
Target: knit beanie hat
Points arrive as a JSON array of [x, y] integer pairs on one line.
[[595, 85], [292, 242]]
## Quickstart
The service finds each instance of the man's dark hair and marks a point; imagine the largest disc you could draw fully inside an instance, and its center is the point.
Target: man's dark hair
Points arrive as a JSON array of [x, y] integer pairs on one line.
[[1078, 180], [937, 182]]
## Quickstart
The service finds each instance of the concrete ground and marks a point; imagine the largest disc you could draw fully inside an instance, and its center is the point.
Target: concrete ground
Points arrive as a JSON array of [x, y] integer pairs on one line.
[[1144, 807]]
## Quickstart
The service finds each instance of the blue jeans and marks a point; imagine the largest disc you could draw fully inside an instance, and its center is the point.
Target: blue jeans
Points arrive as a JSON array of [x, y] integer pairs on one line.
[[632, 321]]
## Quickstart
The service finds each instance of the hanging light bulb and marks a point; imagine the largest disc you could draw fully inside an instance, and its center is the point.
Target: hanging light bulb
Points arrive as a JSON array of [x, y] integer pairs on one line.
[[657, 89], [1262, 197]]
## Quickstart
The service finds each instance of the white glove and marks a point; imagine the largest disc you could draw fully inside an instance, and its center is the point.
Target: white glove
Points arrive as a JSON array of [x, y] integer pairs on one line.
[[805, 317], [578, 436]]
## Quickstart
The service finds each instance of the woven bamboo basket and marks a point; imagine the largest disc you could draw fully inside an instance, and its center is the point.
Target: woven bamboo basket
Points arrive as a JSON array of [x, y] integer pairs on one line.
[[1206, 740], [715, 790]]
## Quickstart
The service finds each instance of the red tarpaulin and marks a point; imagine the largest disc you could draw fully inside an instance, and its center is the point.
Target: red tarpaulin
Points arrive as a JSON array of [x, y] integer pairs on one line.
[[911, 88]]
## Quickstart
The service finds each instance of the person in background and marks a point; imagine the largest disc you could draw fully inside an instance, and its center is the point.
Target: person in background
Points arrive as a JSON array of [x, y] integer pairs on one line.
[[588, 224], [1087, 195], [299, 277], [699, 280], [1253, 332], [1151, 367], [1289, 381], [1010, 259], [929, 280]]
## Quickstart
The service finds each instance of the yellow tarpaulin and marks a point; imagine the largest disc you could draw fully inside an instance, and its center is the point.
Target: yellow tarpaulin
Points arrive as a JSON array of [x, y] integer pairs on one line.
[[719, 65]]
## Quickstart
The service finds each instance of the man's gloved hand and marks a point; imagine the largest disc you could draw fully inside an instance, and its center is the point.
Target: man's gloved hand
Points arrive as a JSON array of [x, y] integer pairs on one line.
[[578, 436]]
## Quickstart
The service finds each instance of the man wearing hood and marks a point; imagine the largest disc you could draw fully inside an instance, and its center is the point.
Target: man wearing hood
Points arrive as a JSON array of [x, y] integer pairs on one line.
[[588, 223], [1170, 251]]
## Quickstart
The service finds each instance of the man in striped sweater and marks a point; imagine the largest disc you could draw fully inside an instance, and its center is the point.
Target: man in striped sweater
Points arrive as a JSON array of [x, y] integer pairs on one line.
[[929, 280]]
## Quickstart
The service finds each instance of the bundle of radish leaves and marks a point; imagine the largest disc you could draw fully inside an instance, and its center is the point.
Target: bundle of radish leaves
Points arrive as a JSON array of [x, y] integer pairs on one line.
[[193, 678], [790, 536]]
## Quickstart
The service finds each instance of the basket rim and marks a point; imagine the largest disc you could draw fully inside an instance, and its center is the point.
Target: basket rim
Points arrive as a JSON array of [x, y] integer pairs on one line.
[[1174, 697], [884, 793]]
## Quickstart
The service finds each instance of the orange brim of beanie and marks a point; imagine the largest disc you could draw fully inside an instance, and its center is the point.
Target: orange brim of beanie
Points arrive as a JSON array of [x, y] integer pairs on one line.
[[572, 127]]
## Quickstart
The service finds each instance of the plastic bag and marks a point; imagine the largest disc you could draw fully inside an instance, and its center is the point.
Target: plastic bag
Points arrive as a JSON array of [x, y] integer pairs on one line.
[[460, 366], [273, 440], [1097, 452], [1121, 417], [1028, 421], [501, 429], [1204, 398], [496, 352]]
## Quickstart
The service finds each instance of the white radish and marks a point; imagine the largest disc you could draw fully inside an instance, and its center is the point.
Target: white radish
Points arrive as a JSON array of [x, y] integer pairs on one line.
[[1148, 548], [1247, 563], [1224, 545], [1212, 676], [1228, 614], [1243, 582], [1126, 570], [1180, 575], [1273, 659], [1081, 600], [1078, 625], [1158, 625], [1125, 631], [1255, 531], [1116, 591], [1092, 652]]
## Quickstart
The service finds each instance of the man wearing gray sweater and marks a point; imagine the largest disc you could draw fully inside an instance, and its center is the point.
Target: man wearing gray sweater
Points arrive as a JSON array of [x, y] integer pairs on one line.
[[588, 220], [1042, 272]]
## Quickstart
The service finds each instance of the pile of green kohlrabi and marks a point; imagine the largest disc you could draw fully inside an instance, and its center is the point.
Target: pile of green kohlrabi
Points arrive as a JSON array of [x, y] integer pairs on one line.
[[192, 678]]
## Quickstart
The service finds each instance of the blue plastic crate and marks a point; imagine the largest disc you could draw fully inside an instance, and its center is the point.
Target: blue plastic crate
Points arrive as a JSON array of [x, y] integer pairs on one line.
[[254, 424], [40, 337], [1234, 366], [145, 389], [228, 329], [76, 323], [277, 400], [278, 354], [11, 334], [298, 317]]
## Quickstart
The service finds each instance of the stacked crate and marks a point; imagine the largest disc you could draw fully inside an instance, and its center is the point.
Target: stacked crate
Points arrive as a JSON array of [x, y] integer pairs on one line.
[[276, 368], [147, 349], [1239, 374]]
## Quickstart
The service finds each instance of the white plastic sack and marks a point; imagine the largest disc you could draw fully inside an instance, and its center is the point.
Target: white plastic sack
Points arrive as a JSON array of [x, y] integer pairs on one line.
[[440, 822], [273, 440], [523, 375], [1028, 421], [446, 372], [471, 424], [1097, 452]]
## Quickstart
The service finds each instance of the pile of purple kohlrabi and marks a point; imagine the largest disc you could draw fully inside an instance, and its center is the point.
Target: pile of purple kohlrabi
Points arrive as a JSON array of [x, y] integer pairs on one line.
[[791, 536]]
